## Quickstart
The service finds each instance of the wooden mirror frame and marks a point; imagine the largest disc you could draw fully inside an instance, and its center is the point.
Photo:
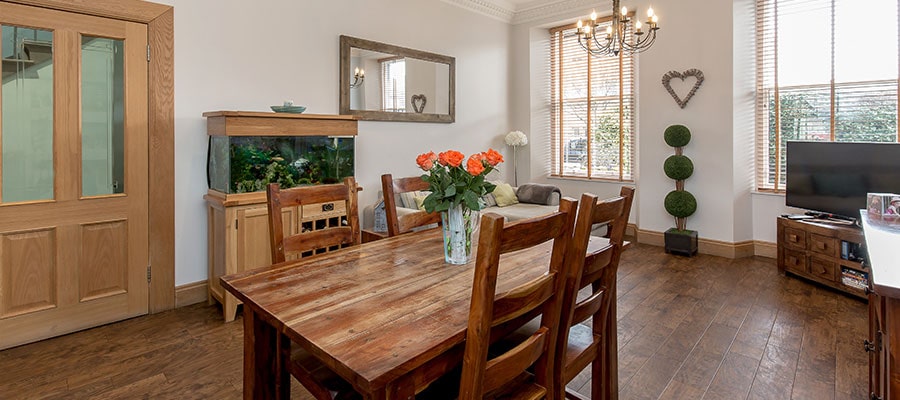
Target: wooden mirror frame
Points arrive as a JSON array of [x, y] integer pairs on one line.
[[348, 42]]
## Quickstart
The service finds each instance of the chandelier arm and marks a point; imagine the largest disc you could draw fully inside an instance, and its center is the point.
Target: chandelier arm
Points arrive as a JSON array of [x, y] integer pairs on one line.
[[643, 42], [601, 48]]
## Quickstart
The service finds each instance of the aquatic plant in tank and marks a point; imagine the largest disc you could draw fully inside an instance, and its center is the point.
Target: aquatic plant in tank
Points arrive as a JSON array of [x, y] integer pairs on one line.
[[241, 164]]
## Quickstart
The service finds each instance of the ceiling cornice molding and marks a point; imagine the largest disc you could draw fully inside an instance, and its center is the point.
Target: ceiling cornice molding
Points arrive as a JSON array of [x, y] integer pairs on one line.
[[543, 9], [490, 8]]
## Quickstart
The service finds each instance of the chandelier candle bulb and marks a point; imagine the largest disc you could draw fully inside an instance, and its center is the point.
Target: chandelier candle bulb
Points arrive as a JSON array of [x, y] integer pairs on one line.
[[649, 13], [637, 26], [593, 15]]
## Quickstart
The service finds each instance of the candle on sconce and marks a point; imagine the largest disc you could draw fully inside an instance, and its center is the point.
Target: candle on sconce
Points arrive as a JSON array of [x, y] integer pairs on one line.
[[637, 27], [593, 15]]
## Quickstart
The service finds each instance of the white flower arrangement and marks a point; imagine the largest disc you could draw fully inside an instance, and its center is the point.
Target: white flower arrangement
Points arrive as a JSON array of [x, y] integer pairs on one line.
[[516, 139]]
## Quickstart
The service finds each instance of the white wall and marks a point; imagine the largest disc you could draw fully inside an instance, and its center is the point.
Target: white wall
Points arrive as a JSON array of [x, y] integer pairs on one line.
[[243, 55], [712, 36]]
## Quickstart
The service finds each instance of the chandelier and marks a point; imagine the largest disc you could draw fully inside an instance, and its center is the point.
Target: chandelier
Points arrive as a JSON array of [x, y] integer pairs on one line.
[[359, 76], [617, 38]]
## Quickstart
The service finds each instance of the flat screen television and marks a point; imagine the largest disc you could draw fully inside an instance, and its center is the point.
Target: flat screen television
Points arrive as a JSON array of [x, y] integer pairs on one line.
[[834, 177]]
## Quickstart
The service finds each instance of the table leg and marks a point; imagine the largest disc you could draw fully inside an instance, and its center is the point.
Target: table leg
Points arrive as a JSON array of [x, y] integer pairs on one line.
[[265, 376]]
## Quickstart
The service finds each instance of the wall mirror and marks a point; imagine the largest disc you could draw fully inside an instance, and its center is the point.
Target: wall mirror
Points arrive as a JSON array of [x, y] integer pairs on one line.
[[382, 82]]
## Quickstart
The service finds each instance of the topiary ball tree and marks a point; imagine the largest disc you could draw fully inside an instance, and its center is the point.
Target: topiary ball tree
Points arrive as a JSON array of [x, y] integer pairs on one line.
[[679, 202]]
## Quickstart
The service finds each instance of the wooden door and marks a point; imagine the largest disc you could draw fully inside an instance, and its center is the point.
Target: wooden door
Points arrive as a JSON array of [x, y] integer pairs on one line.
[[73, 177]]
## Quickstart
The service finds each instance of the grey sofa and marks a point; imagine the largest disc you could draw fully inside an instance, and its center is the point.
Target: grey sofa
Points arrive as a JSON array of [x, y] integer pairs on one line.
[[521, 210]]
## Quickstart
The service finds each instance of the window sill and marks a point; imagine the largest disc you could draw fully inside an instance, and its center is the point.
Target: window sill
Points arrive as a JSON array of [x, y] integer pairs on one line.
[[585, 179], [768, 192]]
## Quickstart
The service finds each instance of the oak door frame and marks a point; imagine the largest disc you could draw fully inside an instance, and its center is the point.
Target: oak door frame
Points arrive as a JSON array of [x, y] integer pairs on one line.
[[160, 21]]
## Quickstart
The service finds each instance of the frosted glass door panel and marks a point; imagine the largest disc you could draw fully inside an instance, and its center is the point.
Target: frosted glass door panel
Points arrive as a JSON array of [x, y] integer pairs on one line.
[[27, 115], [102, 116]]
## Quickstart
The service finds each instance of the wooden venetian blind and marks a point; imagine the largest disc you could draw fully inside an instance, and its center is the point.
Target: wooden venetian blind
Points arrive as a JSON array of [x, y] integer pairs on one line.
[[826, 71], [592, 110], [393, 84]]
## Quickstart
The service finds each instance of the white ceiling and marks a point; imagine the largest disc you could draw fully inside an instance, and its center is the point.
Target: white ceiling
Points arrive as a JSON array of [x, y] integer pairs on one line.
[[519, 11]]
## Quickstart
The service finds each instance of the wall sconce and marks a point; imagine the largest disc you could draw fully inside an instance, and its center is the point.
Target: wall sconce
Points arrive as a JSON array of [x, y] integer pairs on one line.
[[359, 76]]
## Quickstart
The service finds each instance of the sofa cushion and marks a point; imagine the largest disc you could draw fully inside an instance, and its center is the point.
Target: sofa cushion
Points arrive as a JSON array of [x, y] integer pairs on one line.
[[521, 211], [537, 193], [407, 199], [420, 200], [505, 195], [489, 200]]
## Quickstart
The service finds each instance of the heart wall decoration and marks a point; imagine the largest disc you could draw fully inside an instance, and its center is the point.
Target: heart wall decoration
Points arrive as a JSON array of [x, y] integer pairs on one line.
[[418, 103], [666, 81]]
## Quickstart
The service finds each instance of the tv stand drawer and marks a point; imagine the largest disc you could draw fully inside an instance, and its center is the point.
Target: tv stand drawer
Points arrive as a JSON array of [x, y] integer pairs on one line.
[[822, 268], [795, 261], [795, 238], [824, 245]]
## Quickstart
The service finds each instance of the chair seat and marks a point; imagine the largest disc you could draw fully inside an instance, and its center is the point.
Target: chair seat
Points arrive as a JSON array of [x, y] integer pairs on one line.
[[522, 387], [321, 381], [581, 349]]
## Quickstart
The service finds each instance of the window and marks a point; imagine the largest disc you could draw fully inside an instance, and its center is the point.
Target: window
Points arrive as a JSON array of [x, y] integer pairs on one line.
[[592, 110], [393, 84], [826, 71]]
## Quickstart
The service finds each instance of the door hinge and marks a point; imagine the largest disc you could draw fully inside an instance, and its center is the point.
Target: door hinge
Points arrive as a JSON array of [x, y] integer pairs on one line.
[[236, 223], [148, 274], [148, 53]]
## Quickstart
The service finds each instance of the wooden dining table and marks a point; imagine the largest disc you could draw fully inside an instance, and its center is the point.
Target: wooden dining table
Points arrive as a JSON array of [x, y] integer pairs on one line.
[[386, 315]]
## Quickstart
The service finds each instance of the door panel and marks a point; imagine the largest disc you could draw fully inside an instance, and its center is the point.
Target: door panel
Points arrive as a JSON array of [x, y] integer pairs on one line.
[[78, 257], [28, 272], [104, 260]]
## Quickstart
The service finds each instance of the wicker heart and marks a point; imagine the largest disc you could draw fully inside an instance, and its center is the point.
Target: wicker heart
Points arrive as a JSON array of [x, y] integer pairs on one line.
[[416, 100], [696, 73]]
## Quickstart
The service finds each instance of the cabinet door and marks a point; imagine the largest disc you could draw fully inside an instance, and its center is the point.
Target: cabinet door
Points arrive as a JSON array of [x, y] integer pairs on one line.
[[253, 249]]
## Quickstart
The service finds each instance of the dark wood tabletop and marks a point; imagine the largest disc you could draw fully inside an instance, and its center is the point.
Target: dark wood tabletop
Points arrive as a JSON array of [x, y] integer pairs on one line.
[[374, 313]]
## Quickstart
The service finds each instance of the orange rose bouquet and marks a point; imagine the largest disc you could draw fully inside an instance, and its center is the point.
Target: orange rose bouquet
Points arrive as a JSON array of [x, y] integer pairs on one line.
[[455, 181]]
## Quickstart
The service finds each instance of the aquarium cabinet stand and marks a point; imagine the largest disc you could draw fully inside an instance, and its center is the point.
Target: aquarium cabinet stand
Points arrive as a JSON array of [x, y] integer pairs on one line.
[[238, 227]]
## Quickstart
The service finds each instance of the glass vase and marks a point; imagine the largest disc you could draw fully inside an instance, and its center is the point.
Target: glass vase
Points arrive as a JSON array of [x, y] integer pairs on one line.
[[459, 226]]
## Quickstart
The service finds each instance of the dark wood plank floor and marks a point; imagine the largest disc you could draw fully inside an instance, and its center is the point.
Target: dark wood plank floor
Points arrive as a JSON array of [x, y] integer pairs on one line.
[[692, 328]]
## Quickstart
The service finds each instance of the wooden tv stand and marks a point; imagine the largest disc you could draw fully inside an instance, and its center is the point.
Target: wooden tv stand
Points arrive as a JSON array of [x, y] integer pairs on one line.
[[822, 251]]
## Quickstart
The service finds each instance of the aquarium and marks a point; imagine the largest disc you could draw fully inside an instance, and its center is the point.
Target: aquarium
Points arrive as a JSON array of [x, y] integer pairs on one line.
[[241, 164]]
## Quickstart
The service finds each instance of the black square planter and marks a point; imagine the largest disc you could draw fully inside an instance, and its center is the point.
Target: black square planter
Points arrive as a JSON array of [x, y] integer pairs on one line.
[[681, 242]]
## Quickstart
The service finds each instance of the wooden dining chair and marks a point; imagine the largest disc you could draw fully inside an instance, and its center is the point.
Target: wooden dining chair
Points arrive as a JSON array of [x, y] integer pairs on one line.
[[580, 345], [320, 380], [328, 238], [505, 375], [397, 224]]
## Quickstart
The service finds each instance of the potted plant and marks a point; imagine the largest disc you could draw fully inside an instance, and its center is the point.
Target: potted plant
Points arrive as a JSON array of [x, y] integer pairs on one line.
[[679, 202]]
